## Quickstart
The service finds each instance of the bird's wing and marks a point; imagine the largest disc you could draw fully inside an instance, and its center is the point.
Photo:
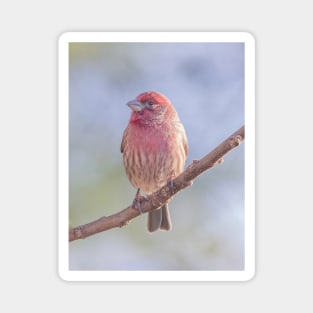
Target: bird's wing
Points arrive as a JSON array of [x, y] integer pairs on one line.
[[124, 139], [185, 143], [181, 130]]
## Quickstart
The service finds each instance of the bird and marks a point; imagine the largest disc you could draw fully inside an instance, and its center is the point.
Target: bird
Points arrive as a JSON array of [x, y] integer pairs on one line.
[[154, 148]]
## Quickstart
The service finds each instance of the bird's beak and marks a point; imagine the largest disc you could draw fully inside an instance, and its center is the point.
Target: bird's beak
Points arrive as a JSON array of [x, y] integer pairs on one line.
[[135, 105]]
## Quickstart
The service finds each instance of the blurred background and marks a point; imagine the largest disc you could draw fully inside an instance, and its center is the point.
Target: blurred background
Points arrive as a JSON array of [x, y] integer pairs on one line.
[[205, 83]]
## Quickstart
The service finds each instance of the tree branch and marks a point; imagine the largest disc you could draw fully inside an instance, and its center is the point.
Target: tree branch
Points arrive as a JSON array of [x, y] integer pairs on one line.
[[161, 196]]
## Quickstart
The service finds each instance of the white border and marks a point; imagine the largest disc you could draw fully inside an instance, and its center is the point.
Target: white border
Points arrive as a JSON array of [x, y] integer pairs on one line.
[[63, 115]]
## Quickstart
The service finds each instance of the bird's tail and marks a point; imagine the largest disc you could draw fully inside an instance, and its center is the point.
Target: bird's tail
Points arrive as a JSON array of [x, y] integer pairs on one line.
[[159, 219]]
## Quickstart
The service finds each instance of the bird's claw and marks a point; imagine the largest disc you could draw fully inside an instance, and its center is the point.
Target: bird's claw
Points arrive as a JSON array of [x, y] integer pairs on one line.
[[136, 203], [170, 185], [137, 206]]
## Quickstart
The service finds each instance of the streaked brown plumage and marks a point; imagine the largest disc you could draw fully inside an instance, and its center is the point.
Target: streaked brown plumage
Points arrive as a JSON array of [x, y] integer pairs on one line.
[[154, 148]]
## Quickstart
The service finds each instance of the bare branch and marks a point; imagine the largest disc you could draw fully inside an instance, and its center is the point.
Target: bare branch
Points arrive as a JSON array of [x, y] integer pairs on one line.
[[161, 196]]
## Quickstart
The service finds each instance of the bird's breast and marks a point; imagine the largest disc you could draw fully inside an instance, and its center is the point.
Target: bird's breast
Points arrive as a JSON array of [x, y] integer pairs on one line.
[[150, 158]]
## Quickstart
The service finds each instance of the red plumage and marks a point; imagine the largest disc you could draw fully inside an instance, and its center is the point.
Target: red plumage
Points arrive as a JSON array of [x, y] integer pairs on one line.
[[154, 148]]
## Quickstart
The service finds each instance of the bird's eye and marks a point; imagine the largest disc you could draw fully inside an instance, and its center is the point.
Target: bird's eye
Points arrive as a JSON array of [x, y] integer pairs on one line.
[[149, 103]]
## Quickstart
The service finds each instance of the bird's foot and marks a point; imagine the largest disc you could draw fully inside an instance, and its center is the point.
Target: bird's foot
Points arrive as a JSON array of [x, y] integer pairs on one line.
[[170, 184], [136, 203]]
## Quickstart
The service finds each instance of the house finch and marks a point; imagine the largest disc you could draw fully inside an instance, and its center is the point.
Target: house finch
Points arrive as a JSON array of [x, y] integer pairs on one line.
[[154, 148]]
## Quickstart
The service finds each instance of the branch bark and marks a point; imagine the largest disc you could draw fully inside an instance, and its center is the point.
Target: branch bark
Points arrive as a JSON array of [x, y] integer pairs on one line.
[[161, 196]]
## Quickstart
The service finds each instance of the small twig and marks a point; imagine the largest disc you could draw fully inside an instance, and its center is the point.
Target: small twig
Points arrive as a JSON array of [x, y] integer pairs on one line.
[[161, 196]]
